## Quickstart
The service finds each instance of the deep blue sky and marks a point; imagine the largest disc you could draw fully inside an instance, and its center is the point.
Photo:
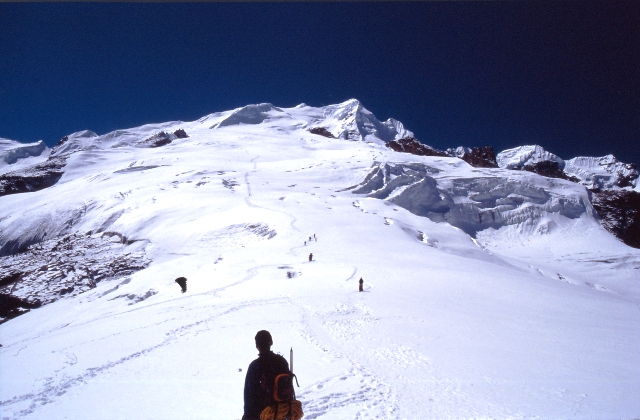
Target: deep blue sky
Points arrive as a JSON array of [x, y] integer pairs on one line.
[[565, 75]]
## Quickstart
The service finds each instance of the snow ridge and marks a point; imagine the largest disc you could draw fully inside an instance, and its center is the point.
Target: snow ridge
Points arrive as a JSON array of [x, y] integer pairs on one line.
[[603, 173], [12, 151], [519, 157], [350, 120]]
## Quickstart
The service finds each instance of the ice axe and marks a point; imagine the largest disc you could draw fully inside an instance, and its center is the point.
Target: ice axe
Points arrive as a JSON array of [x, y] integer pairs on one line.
[[291, 360]]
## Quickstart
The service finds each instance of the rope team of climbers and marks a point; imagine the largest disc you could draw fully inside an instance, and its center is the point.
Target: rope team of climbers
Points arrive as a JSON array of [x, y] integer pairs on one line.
[[268, 388]]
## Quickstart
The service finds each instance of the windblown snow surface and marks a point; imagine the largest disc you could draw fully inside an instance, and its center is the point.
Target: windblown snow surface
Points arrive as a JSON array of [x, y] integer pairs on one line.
[[488, 293]]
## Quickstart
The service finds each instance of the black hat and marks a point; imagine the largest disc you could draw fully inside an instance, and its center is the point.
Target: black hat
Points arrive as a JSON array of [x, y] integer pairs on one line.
[[263, 339]]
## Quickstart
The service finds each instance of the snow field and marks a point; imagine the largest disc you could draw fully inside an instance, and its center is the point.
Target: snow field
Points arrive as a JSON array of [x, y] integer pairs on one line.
[[446, 327]]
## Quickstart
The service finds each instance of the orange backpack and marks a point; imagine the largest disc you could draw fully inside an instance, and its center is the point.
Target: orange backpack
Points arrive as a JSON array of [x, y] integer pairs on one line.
[[285, 406]]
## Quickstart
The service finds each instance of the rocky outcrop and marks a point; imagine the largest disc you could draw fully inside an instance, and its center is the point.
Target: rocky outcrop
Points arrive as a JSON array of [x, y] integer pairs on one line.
[[10, 278], [620, 213], [321, 131], [64, 267], [550, 169], [36, 178], [11, 307], [413, 146], [180, 133], [157, 140], [478, 157], [162, 138], [62, 141]]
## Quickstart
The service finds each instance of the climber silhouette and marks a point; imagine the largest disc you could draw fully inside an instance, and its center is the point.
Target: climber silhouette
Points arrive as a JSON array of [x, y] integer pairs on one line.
[[182, 281]]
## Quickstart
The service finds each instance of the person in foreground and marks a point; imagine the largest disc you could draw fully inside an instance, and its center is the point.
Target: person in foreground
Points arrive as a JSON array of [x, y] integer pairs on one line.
[[267, 365]]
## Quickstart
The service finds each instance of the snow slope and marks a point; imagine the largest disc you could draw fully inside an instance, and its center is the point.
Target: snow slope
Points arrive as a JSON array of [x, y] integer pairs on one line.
[[15, 155], [534, 316], [519, 157]]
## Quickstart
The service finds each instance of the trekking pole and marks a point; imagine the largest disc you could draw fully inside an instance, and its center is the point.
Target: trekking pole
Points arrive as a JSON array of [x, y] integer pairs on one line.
[[291, 359]]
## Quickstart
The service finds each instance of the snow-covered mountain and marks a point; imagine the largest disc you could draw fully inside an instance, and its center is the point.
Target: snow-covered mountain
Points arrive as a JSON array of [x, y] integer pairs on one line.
[[489, 292], [15, 155], [614, 189], [348, 120], [526, 156], [596, 173], [603, 173]]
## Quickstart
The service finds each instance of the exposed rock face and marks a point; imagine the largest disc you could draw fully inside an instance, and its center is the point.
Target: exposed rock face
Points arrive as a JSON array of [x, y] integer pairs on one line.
[[157, 140], [65, 267], [11, 307], [62, 141], [162, 139], [550, 169], [478, 157], [472, 204], [35, 178], [628, 181], [620, 213], [321, 131], [413, 146], [181, 134]]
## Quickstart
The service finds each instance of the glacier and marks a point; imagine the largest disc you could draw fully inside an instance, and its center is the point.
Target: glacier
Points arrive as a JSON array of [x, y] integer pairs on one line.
[[488, 292]]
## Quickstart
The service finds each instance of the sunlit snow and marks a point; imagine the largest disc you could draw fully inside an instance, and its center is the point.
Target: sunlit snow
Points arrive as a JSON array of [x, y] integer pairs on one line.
[[488, 293]]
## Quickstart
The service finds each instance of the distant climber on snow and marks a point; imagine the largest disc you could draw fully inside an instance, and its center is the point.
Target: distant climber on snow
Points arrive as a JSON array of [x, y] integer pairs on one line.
[[182, 281], [361, 282], [269, 385], [310, 257]]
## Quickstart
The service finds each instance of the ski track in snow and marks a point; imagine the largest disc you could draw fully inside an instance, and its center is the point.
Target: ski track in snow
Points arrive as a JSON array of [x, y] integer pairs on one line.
[[250, 204], [54, 387], [374, 398]]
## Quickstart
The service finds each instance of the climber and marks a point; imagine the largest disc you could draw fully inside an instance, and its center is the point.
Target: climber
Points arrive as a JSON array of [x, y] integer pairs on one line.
[[182, 281], [263, 369]]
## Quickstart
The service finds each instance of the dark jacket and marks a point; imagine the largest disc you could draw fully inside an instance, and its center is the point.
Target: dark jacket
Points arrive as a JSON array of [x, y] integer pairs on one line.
[[256, 398]]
